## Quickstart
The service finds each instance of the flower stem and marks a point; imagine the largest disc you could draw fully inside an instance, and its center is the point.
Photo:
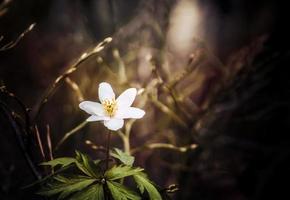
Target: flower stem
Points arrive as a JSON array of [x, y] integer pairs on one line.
[[108, 150], [126, 144]]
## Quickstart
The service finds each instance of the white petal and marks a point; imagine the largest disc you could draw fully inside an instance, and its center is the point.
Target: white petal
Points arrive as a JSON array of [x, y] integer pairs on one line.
[[92, 108], [106, 92], [131, 112], [114, 124], [126, 98], [93, 118]]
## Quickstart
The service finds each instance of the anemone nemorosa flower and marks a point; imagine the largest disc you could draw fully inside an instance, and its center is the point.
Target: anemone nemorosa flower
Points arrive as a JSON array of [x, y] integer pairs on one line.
[[112, 111]]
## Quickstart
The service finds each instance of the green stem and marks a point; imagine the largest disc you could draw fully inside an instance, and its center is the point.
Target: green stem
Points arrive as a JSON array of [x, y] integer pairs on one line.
[[126, 143]]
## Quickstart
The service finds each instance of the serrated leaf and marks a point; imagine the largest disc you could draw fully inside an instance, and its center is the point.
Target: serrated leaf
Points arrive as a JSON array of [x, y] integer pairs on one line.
[[63, 162], [87, 165], [122, 171], [120, 192], [67, 188], [94, 192], [70, 179], [123, 157], [144, 183], [61, 179]]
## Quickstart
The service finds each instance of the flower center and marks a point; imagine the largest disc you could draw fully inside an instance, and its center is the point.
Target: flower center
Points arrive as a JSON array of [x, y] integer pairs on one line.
[[110, 107]]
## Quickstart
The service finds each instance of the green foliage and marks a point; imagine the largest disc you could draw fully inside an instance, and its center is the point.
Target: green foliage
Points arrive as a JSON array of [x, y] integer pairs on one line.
[[87, 165], [94, 192], [62, 162], [87, 180], [66, 187], [125, 158], [120, 192], [144, 183], [122, 171]]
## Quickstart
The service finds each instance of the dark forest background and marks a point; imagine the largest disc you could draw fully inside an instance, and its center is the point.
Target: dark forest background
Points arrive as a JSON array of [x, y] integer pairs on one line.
[[243, 138]]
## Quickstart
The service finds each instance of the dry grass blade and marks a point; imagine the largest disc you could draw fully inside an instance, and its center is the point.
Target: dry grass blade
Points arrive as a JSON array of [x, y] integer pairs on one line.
[[15, 42], [23, 107], [68, 72], [75, 88], [48, 138], [70, 133], [39, 142], [19, 135], [165, 146], [169, 112]]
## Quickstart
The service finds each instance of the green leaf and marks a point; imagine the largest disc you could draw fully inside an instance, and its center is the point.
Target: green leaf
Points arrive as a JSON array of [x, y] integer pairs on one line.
[[66, 187], [70, 179], [118, 172], [144, 183], [87, 165], [94, 192], [120, 192], [63, 162], [125, 158]]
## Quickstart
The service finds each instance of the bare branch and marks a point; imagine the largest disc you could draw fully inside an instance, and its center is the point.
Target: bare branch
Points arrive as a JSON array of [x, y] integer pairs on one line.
[[168, 111], [68, 72], [48, 138], [19, 135], [12, 44], [39, 142], [70, 133], [165, 146]]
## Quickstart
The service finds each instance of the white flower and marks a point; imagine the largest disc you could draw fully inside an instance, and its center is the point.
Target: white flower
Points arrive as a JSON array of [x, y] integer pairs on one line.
[[112, 112]]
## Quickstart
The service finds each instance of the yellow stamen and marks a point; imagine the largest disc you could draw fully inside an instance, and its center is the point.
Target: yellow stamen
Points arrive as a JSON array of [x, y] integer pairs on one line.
[[110, 107]]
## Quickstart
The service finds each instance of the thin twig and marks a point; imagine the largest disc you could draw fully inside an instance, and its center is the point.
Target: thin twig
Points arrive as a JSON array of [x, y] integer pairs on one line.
[[74, 86], [165, 146], [21, 105], [39, 142], [168, 111], [19, 135], [68, 72], [194, 62], [12, 44], [122, 76], [165, 87], [70, 133], [48, 138]]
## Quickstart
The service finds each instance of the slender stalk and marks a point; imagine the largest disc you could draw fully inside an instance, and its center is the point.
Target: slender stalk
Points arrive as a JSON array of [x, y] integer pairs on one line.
[[72, 68], [12, 44], [108, 150], [19, 135], [182, 149], [39, 142], [168, 111], [48, 138], [126, 143], [70, 133]]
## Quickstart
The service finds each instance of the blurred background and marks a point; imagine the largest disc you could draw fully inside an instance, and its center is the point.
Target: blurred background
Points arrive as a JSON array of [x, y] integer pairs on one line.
[[212, 76]]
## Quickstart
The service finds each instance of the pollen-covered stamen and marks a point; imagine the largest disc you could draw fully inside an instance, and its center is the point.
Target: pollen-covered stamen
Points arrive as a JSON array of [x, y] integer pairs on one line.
[[110, 106]]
